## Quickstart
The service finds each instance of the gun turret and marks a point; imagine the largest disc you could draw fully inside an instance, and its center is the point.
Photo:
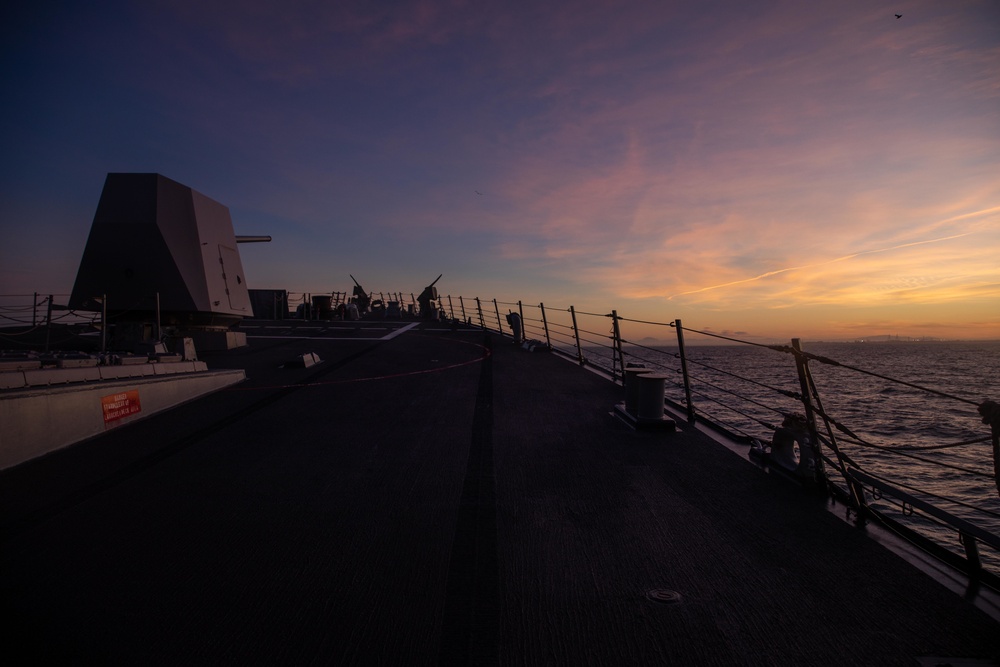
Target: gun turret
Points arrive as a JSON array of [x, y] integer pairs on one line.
[[361, 297], [428, 301]]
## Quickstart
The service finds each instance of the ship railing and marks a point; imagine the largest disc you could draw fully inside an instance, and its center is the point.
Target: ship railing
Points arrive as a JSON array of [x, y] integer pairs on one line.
[[873, 486], [37, 320], [569, 332], [37, 310], [41, 320], [882, 476]]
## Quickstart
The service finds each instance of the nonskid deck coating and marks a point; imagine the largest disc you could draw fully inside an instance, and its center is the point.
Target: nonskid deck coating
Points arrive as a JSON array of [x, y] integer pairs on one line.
[[442, 497]]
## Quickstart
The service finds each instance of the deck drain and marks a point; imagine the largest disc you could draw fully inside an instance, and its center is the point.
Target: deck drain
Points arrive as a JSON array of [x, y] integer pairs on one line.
[[664, 596]]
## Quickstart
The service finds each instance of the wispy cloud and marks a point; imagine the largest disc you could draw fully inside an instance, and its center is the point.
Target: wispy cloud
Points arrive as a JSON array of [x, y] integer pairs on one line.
[[818, 264]]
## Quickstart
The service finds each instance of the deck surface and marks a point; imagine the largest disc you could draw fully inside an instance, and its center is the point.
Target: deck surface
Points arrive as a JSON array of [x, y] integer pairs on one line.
[[428, 496]]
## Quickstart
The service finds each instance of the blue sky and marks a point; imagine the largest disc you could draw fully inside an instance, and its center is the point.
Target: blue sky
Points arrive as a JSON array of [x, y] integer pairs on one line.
[[777, 168]]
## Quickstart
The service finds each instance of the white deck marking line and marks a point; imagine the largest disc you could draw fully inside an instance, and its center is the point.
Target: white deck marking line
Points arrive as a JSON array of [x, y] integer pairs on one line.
[[314, 338], [390, 336], [401, 330], [458, 330]]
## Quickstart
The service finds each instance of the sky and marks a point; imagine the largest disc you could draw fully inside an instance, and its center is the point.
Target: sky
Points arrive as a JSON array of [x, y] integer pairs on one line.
[[765, 169]]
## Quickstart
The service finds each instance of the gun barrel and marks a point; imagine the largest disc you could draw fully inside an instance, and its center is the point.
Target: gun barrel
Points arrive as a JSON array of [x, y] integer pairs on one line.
[[253, 239], [435, 281]]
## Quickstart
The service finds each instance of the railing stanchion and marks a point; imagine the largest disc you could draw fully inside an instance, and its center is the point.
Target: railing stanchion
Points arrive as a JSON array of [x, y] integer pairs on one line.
[[461, 304], [451, 307], [499, 325], [48, 322], [104, 324], [684, 371], [576, 334], [857, 490], [545, 324], [34, 311], [971, 553], [479, 307], [617, 349], [801, 365], [990, 412]]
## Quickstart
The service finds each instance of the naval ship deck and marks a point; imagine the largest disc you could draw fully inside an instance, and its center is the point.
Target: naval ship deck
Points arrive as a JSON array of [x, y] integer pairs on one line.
[[436, 496]]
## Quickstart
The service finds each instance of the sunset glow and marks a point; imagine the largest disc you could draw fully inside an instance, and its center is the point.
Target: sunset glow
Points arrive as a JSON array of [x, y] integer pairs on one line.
[[818, 169]]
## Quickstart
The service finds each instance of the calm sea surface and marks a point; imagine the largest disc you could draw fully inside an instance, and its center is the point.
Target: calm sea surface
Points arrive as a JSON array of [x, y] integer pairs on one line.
[[739, 386]]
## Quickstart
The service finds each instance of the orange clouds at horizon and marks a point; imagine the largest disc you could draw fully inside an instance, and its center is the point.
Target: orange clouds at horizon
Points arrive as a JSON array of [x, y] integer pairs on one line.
[[817, 264], [944, 286]]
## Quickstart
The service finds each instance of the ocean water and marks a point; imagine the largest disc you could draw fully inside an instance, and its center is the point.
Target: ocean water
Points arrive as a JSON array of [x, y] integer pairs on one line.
[[909, 436]]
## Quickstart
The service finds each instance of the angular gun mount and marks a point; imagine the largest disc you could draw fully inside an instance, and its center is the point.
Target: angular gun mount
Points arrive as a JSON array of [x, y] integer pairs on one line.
[[361, 297], [160, 252], [428, 301]]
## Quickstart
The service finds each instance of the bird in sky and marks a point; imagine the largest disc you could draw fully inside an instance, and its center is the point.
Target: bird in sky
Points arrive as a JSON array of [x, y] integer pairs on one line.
[[478, 192], [899, 16]]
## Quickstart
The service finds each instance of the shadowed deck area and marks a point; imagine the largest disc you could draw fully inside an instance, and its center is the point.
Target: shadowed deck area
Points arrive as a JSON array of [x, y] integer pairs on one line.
[[432, 496]]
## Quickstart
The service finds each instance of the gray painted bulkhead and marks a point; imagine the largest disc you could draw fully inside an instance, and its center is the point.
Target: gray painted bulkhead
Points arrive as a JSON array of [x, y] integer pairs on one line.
[[152, 235]]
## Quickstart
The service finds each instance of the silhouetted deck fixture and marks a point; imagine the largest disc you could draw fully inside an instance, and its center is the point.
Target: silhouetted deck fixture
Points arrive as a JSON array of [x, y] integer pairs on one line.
[[428, 301], [361, 298]]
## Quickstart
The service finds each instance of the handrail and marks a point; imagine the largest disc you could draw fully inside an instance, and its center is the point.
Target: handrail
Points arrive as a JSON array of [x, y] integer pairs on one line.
[[722, 395], [965, 527], [608, 352]]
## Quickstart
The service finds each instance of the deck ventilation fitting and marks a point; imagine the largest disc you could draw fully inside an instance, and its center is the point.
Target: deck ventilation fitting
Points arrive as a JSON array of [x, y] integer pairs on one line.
[[664, 596]]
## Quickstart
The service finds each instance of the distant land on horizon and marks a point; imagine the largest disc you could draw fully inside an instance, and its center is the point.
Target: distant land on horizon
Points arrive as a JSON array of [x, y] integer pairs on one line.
[[879, 339], [893, 338]]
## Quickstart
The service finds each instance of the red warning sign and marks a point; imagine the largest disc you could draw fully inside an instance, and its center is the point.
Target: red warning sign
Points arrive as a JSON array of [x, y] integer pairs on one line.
[[121, 405]]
